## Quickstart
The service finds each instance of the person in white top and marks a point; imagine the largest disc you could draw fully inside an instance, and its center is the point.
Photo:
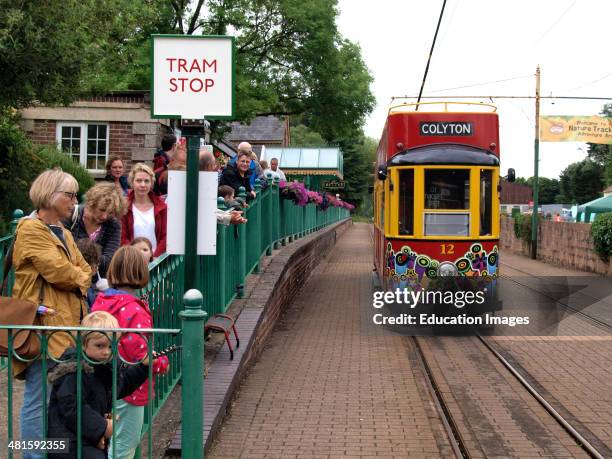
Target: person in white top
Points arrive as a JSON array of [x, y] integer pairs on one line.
[[147, 212], [265, 170], [275, 168]]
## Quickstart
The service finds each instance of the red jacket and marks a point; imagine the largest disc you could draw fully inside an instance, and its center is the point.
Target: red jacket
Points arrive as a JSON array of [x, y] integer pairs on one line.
[[131, 312], [160, 212]]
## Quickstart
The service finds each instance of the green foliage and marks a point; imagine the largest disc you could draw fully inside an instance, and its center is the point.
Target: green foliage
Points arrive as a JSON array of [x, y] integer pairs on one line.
[[581, 182], [600, 153], [303, 136], [21, 162], [52, 157], [18, 166], [601, 231], [522, 227]]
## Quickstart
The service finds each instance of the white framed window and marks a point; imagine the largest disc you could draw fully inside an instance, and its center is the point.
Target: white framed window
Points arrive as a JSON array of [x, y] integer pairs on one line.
[[86, 143]]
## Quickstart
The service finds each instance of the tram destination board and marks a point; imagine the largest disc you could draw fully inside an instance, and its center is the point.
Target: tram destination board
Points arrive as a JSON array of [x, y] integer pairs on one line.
[[446, 128]]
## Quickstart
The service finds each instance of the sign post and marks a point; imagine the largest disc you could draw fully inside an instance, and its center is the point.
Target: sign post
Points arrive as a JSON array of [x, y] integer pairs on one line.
[[193, 78]]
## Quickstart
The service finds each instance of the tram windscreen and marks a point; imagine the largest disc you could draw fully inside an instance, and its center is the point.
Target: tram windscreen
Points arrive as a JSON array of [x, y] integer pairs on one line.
[[447, 189], [486, 201], [406, 202]]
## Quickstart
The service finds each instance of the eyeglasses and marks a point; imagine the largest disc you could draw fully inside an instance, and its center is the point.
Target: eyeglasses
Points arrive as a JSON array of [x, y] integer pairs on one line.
[[70, 194]]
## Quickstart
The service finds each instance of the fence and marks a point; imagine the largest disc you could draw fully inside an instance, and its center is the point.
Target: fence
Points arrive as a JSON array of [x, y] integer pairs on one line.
[[272, 222]]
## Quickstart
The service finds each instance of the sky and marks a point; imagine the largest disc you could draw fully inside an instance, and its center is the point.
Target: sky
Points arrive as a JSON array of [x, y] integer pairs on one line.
[[489, 48]]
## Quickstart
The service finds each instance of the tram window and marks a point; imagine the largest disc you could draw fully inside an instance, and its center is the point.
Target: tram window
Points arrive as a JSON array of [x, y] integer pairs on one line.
[[443, 224], [486, 201], [447, 189], [406, 202]]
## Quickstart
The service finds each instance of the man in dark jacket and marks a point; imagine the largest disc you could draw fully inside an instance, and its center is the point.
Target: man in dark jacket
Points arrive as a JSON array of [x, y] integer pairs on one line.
[[239, 174]]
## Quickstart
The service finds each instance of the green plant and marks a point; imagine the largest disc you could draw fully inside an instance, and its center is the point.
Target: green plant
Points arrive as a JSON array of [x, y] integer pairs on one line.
[[52, 157], [522, 227], [601, 231], [20, 164]]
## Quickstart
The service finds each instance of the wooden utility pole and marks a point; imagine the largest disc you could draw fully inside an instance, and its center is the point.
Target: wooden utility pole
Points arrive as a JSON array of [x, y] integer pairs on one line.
[[536, 160]]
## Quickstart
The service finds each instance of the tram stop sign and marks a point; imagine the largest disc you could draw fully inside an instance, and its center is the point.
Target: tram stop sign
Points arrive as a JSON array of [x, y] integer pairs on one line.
[[193, 76]]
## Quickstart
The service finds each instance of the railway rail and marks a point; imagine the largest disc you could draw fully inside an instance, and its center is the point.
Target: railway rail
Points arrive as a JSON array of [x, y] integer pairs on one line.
[[454, 427], [605, 325]]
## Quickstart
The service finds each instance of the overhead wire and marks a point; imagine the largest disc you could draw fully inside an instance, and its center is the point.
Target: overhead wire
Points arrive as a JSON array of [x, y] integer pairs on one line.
[[433, 44]]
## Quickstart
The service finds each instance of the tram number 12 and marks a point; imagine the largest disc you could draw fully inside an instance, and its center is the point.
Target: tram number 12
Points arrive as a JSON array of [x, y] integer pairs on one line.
[[447, 249]]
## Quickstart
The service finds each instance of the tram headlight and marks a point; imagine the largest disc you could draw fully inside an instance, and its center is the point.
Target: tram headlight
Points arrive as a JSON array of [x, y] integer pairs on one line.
[[447, 269]]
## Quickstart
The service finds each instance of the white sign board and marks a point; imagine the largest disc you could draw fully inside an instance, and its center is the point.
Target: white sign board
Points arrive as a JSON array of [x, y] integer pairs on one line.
[[207, 212], [193, 77]]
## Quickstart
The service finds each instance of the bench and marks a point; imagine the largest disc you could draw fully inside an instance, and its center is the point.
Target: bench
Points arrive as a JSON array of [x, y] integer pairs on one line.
[[223, 323]]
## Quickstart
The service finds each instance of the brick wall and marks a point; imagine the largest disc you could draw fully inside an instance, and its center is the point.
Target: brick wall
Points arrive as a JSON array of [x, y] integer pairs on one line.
[[43, 132], [133, 142], [122, 142], [562, 243]]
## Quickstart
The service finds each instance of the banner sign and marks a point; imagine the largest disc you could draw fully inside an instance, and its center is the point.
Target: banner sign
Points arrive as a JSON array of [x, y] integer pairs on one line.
[[193, 76], [594, 129]]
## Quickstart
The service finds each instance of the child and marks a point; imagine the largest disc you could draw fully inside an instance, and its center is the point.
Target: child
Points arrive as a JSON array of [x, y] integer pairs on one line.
[[145, 247], [128, 272], [96, 402], [91, 253], [227, 193]]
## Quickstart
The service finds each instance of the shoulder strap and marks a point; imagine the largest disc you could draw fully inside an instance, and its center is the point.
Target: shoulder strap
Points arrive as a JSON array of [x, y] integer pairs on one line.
[[8, 264], [75, 218]]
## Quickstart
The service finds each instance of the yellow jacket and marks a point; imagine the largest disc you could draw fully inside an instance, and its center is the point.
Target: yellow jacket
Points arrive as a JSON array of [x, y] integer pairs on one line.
[[38, 253]]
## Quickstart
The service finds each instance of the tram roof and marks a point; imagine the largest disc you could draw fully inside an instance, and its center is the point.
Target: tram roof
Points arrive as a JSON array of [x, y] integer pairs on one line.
[[445, 153]]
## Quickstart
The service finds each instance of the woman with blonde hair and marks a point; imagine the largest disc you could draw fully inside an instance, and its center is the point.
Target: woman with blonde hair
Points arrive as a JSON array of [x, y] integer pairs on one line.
[[99, 221], [49, 270], [146, 213]]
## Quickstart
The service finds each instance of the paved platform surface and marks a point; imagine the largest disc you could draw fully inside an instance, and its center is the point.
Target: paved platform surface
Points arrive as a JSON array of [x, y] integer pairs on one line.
[[325, 388]]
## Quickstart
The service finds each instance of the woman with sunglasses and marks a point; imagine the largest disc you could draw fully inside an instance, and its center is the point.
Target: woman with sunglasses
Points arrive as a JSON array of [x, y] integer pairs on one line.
[[49, 270]]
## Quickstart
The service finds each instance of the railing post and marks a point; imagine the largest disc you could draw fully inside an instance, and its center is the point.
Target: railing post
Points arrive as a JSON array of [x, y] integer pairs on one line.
[[269, 217], [192, 366], [242, 250], [275, 213], [17, 215], [221, 256], [258, 227]]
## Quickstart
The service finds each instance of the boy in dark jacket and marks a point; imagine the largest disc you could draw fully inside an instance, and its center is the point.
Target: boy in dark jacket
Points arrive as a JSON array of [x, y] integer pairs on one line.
[[96, 391]]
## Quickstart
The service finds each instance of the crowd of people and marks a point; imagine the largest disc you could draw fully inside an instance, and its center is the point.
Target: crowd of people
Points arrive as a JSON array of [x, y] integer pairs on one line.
[[85, 263]]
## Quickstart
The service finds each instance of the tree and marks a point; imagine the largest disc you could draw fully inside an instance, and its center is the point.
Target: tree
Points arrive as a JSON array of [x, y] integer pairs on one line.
[[303, 136], [581, 182], [548, 189], [290, 60], [600, 153]]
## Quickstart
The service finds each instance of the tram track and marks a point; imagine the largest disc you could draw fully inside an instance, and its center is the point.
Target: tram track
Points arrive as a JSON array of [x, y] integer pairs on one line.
[[598, 322], [454, 427]]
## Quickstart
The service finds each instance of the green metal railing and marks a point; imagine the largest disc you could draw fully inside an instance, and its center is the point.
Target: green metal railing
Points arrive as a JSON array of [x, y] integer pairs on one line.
[[272, 222], [189, 364]]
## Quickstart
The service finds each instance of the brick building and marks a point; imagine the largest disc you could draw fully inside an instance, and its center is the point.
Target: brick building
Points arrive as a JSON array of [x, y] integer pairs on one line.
[[268, 131], [514, 193], [93, 129]]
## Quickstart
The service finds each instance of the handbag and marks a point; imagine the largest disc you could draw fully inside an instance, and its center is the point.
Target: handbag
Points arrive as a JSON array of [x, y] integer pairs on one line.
[[14, 311]]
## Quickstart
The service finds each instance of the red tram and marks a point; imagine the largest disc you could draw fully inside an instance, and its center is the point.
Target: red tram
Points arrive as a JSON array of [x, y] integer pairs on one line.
[[436, 197]]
